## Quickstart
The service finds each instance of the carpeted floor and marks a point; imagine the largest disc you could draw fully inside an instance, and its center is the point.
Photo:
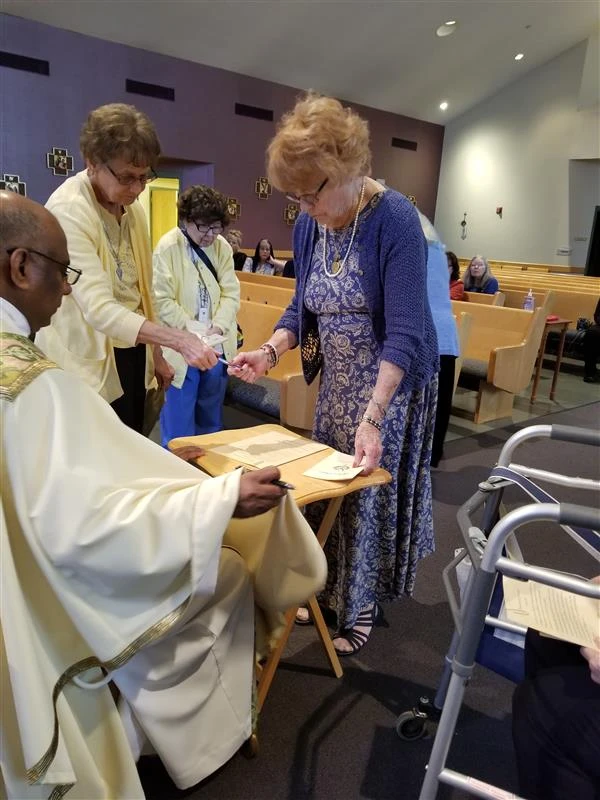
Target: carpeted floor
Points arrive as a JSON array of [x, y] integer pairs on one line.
[[324, 739]]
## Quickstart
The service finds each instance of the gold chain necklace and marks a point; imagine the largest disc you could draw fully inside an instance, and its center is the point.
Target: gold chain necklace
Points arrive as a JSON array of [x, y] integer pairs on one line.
[[338, 267]]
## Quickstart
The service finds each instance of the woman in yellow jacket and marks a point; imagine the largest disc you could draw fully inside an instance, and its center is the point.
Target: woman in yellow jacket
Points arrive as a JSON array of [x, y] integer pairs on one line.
[[196, 289], [105, 330]]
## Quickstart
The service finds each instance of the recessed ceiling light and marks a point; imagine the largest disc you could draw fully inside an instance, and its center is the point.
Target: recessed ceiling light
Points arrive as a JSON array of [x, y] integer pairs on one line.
[[447, 28], [519, 56], [444, 105]]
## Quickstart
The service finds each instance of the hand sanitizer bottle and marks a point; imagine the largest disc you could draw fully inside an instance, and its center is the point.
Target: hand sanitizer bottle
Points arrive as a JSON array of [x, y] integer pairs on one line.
[[529, 301]]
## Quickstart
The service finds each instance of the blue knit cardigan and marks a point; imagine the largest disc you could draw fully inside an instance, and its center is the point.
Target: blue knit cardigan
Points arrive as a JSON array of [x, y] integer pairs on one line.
[[393, 277]]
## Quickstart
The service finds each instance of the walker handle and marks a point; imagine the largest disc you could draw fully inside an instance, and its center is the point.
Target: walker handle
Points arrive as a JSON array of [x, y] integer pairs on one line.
[[566, 433]]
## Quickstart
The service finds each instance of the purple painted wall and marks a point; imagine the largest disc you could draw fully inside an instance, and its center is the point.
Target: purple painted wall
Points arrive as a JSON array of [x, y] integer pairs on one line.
[[40, 112]]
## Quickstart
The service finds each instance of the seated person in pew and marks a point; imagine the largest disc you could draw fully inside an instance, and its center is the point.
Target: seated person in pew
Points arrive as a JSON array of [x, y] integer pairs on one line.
[[196, 289], [591, 349], [457, 287], [361, 318], [556, 720], [111, 556], [235, 238], [478, 277], [263, 261]]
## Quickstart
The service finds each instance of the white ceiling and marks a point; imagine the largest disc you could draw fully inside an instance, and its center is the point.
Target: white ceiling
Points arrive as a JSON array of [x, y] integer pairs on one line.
[[381, 53]]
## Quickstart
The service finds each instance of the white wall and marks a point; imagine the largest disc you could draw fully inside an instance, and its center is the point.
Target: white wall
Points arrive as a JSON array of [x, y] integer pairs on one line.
[[513, 151]]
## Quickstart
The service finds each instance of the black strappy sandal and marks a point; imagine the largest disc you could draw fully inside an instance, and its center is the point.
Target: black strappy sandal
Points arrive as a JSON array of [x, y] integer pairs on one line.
[[357, 639]]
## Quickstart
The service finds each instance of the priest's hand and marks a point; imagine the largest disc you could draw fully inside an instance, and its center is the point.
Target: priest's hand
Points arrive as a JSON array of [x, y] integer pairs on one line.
[[257, 492], [188, 452]]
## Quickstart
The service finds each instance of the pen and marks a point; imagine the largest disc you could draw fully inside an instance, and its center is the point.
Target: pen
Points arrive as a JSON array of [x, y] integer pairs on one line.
[[227, 363], [283, 484]]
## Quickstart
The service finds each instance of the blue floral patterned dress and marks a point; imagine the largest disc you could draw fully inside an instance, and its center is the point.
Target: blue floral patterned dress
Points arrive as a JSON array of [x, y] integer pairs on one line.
[[380, 533]]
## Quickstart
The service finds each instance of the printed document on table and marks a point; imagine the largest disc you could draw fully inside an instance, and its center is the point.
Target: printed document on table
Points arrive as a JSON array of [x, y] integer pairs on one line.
[[336, 467], [269, 449], [552, 611]]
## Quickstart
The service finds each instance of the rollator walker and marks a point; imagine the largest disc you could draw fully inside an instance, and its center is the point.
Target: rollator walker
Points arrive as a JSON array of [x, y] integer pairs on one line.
[[480, 634]]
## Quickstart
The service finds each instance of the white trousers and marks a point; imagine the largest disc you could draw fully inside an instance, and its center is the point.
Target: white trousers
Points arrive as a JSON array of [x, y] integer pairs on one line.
[[191, 692]]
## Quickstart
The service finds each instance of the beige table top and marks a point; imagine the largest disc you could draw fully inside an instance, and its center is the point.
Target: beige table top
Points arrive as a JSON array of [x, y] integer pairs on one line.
[[308, 490]]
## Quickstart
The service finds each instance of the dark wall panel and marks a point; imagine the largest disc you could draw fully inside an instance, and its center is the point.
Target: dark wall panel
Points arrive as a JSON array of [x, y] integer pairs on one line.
[[199, 126]]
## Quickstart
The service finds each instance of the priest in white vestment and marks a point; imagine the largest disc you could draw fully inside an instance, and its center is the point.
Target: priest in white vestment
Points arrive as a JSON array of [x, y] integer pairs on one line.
[[111, 555]]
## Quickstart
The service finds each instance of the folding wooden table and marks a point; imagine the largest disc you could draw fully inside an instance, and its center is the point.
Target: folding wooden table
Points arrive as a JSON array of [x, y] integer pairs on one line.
[[308, 490]]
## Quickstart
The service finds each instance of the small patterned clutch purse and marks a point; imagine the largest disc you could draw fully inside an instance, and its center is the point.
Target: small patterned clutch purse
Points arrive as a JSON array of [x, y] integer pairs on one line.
[[310, 352]]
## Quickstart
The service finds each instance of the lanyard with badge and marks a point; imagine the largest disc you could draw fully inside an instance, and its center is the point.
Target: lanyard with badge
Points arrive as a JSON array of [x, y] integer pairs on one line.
[[203, 305]]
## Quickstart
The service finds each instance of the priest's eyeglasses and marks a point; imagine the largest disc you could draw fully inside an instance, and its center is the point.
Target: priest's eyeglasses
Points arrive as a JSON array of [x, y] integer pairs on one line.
[[70, 274], [309, 199]]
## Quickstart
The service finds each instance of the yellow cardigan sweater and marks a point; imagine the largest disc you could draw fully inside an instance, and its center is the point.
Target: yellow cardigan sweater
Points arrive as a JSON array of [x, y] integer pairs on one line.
[[80, 335], [176, 291]]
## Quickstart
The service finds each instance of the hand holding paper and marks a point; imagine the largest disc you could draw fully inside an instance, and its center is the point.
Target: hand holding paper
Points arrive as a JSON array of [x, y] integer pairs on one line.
[[336, 467]]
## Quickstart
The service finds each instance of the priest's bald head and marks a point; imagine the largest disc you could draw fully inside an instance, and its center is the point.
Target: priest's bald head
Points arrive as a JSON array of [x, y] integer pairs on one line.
[[34, 260]]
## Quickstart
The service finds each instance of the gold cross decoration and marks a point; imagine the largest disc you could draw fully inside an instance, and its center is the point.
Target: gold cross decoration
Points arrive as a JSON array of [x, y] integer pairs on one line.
[[290, 213], [13, 183], [263, 189], [234, 209], [59, 161]]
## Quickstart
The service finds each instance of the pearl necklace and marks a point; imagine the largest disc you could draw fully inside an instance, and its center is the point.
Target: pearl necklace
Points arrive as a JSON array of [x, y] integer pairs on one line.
[[336, 267]]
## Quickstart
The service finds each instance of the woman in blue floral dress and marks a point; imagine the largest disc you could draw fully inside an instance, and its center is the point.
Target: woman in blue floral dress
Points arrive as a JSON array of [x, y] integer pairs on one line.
[[360, 315]]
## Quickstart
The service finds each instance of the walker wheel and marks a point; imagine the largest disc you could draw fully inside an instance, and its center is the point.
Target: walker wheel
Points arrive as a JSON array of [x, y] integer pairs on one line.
[[411, 726]]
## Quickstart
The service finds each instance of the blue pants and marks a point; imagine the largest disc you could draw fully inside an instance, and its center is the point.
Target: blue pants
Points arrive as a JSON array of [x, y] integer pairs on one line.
[[195, 408]]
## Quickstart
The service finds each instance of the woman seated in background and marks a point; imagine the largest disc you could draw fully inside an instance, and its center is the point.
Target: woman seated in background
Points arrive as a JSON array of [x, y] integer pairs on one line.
[[196, 289], [234, 237], [263, 261], [478, 277], [457, 287]]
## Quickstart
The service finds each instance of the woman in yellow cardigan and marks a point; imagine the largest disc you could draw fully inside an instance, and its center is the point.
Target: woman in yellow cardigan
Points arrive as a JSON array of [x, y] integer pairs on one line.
[[105, 330]]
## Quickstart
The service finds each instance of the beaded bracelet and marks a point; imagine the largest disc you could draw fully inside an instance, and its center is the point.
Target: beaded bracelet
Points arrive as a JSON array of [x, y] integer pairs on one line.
[[371, 421], [272, 354]]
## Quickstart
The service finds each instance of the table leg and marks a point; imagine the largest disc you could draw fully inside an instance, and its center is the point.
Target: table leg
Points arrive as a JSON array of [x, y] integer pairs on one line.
[[271, 664], [269, 668], [561, 344], [325, 637], [331, 513], [538, 367]]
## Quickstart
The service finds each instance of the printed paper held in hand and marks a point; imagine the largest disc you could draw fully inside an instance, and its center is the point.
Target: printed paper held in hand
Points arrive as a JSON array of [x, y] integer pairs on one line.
[[336, 467], [201, 331], [552, 611]]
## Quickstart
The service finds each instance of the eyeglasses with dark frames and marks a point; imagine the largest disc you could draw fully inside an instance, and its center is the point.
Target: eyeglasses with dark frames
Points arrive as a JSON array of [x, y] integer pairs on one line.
[[204, 230], [70, 274], [129, 180], [309, 199]]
